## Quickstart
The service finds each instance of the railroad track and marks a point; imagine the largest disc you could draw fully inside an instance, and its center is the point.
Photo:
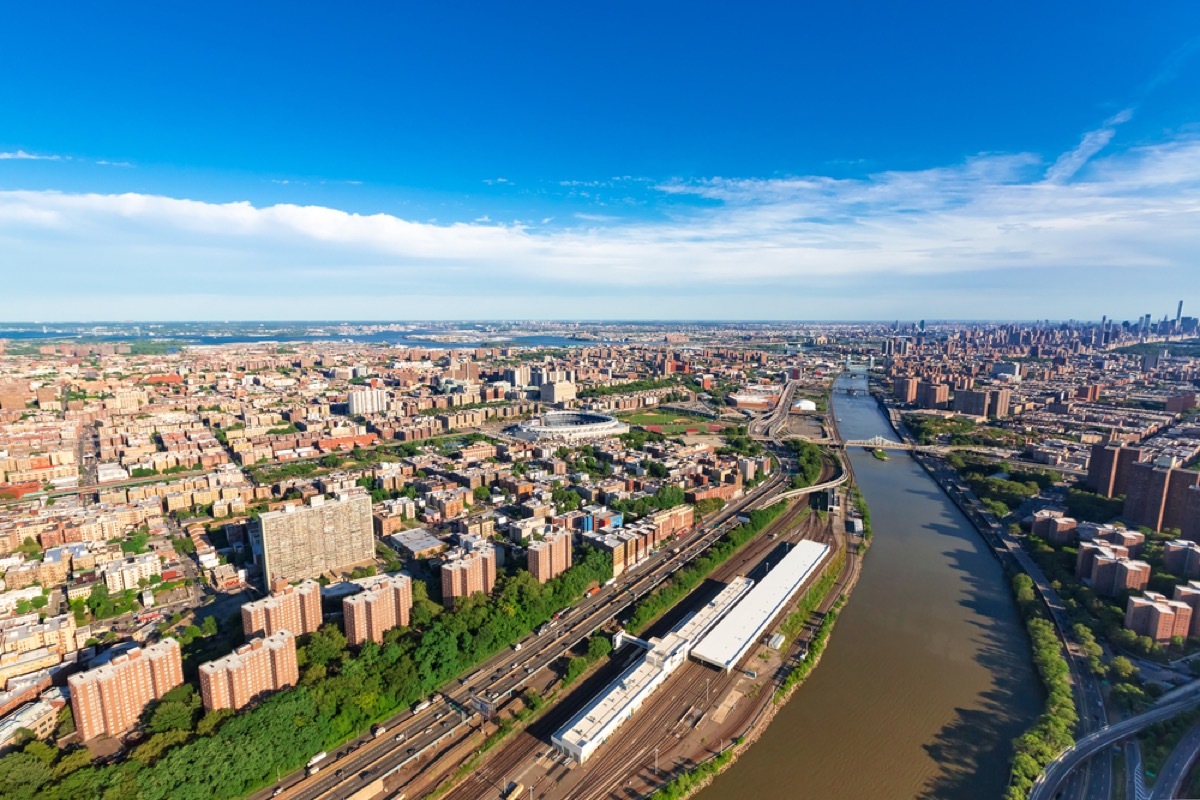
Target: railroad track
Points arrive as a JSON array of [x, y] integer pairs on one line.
[[686, 689]]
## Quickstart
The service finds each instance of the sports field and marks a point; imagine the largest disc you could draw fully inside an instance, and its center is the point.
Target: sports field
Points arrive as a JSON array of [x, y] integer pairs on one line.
[[670, 422]]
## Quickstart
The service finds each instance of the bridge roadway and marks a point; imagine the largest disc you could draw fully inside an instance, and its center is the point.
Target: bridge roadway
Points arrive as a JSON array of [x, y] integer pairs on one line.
[[767, 426], [1174, 771], [1079, 753], [359, 761]]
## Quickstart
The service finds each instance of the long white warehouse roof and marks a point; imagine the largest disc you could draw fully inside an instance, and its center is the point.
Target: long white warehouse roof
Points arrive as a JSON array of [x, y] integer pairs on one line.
[[729, 640], [597, 721]]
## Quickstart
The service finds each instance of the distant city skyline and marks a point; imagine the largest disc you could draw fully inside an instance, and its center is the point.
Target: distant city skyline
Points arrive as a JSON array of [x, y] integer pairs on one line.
[[704, 163]]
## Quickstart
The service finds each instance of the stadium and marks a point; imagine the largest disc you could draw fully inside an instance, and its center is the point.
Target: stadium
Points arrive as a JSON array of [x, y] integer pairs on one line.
[[569, 426]]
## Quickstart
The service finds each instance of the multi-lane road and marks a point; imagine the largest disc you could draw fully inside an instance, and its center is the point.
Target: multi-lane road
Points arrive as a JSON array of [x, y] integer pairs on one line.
[[1051, 784], [452, 713], [1174, 771]]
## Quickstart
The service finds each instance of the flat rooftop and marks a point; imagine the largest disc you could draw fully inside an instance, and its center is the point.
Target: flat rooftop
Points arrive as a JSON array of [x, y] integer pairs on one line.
[[730, 638], [592, 725]]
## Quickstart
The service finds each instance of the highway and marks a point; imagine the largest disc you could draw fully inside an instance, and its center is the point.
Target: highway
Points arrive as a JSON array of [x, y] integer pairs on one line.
[[661, 720], [1049, 785], [1169, 783], [361, 760], [1135, 784]]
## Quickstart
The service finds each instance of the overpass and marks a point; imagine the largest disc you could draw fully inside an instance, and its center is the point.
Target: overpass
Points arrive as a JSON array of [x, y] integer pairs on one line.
[[1057, 771]]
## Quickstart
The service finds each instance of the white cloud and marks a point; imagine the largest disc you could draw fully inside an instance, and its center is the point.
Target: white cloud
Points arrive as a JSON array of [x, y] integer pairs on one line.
[[1092, 143], [1130, 216], [24, 156]]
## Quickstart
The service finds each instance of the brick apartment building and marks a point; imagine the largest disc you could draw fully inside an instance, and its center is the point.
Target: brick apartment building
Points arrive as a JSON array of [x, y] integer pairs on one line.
[[1112, 575], [974, 403], [110, 698], [1190, 593], [1054, 527], [1090, 551], [262, 665], [466, 572], [672, 522], [1155, 616], [385, 603], [1181, 558], [932, 395], [1133, 541], [1158, 494], [550, 556], [905, 390], [1191, 514], [289, 608], [1109, 467]]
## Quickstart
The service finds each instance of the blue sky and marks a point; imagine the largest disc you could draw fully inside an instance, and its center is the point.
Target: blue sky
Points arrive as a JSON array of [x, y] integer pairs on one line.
[[617, 160]]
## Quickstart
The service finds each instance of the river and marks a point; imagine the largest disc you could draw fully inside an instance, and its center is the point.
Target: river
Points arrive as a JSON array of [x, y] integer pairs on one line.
[[927, 677]]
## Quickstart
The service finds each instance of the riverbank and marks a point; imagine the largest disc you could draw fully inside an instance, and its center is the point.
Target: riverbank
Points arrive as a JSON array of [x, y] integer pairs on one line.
[[833, 599], [933, 601], [1053, 730]]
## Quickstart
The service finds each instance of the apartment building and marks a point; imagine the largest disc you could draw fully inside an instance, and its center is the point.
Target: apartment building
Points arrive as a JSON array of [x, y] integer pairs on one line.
[[368, 401], [288, 608], [1191, 514], [1090, 551], [1112, 575], [1158, 494], [466, 572], [1108, 468], [128, 573], [672, 522], [305, 541], [905, 390], [1155, 616], [1190, 593], [932, 395], [262, 665], [1054, 527], [551, 555], [974, 403], [110, 698], [385, 603], [1181, 558]]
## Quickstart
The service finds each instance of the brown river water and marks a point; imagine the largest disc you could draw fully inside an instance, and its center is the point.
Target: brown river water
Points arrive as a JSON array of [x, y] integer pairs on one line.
[[927, 677]]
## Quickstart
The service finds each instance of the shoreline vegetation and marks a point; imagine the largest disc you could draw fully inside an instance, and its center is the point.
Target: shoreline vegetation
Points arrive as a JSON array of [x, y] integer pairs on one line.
[[1054, 728], [686, 785]]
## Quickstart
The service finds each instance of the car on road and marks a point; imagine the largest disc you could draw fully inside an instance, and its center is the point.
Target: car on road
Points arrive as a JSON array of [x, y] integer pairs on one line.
[[428, 730], [412, 750]]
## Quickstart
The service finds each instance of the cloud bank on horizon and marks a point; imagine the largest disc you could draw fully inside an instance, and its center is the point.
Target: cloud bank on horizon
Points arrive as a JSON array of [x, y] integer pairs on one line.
[[1053, 237]]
